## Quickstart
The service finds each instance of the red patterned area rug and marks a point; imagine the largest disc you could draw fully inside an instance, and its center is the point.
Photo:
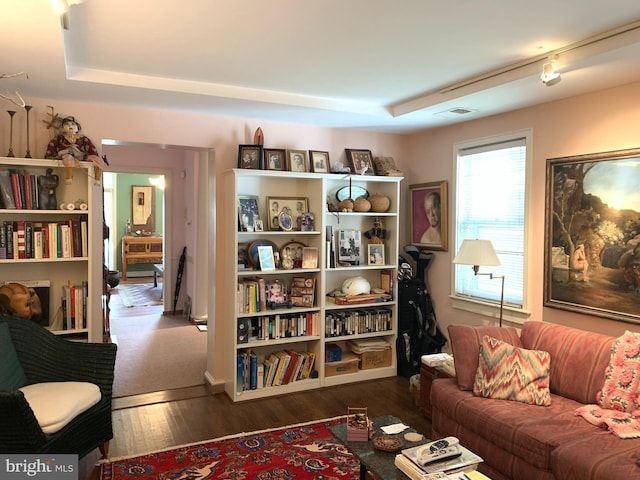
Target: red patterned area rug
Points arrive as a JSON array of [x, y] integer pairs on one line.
[[305, 451]]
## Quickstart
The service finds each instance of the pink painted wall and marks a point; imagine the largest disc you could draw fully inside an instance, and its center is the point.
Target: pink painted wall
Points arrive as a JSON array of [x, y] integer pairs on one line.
[[599, 122]]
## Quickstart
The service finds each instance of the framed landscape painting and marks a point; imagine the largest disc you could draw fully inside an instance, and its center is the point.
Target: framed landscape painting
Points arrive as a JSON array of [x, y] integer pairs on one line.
[[592, 234]]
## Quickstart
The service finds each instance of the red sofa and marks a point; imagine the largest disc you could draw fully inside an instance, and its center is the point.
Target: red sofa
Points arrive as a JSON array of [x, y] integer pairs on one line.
[[519, 441]]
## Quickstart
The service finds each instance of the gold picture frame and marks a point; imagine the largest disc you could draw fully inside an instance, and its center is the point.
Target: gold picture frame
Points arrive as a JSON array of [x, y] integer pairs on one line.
[[428, 215]]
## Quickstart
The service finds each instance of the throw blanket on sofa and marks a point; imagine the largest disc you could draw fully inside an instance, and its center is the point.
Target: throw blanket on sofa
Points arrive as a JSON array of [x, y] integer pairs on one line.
[[618, 407], [624, 425]]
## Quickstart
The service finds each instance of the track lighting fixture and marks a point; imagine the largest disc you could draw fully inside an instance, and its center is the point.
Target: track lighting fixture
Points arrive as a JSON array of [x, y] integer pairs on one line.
[[549, 75]]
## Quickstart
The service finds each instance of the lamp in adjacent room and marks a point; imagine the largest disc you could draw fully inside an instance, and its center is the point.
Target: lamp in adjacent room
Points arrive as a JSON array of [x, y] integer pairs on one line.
[[480, 253]]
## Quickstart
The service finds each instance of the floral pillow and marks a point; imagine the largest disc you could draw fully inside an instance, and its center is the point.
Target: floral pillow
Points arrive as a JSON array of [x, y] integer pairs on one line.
[[510, 373], [621, 390]]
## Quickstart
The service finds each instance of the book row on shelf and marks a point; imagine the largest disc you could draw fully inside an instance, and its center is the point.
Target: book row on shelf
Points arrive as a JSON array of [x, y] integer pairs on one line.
[[257, 295], [354, 322], [282, 367], [25, 239], [274, 327], [19, 190], [74, 307]]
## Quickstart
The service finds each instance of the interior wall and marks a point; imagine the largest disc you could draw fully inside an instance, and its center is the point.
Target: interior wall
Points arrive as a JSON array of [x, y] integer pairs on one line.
[[598, 122]]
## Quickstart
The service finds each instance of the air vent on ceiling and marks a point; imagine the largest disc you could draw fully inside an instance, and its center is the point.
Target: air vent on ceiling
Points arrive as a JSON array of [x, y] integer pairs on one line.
[[455, 112]]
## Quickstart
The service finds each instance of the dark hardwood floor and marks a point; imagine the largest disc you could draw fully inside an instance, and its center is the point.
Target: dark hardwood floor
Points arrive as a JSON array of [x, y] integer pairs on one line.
[[162, 420]]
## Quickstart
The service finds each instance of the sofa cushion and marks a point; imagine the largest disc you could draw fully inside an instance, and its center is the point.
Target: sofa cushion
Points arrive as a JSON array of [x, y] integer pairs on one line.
[[465, 344], [12, 375], [621, 389], [578, 358], [55, 404], [526, 431], [506, 372]]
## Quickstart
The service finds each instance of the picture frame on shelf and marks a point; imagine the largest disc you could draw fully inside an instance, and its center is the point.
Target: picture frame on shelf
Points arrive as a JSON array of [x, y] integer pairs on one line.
[[243, 254], [294, 207], [265, 256], [375, 254], [275, 159], [297, 160], [428, 215], [361, 161], [302, 292], [319, 161], [591, 241], [250, 157], [307, 223], [293, 251], [349, 244], [309, 257], [252, 253], [248, 212]]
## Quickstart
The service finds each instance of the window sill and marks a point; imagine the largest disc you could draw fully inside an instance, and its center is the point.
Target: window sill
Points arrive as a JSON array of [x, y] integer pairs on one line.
[[490, 309]]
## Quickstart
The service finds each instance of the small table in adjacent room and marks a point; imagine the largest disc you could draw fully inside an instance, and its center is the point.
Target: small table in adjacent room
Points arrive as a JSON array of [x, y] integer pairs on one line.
[[136, 250], [378, 462]]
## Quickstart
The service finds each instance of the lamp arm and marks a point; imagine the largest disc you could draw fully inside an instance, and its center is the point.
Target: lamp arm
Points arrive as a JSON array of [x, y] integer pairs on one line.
[[492, 277]]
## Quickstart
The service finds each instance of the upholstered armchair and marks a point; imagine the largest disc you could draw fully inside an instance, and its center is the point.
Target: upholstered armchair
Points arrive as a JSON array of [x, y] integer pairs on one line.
[[72, 417]]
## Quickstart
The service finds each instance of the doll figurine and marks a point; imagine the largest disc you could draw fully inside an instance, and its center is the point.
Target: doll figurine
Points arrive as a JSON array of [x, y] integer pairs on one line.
[[72, 147]]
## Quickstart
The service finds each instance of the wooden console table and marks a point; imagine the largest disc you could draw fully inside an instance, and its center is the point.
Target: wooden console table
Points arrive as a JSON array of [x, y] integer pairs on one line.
[[140, 250]]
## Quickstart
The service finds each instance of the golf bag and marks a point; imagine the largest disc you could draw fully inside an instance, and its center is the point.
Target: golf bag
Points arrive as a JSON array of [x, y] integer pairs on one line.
[[418, 332]]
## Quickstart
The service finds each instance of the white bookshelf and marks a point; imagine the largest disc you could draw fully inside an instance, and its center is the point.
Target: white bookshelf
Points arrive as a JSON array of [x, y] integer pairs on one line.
[[317, 188], [62, 271]]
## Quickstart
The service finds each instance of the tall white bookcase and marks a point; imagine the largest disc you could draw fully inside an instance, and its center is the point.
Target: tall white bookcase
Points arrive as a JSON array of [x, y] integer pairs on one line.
[[59, 272], [318, 189]]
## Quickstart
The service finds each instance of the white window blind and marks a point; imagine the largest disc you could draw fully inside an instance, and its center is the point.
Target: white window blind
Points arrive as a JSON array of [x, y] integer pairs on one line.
[[490, 205]]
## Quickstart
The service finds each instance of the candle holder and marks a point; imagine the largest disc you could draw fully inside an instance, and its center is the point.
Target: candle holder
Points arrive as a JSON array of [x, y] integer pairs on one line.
[[28, 154], [11, 114]]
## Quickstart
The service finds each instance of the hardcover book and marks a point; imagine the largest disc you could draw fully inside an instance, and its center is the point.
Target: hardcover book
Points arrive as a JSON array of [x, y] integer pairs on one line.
[[467, 461]]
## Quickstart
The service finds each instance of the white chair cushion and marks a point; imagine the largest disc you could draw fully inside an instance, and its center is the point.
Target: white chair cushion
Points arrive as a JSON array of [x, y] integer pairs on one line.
[[57, 403]]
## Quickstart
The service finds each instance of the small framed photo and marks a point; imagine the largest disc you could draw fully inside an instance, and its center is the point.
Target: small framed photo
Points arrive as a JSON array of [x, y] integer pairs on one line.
[[361, 161], [243, 254], [248, 213], [376, 254], [319, 161], [309, 257], [349, 243], [308, 222], [258, 226], [274, 159], [297, 160], [250, 156], [265, 255]]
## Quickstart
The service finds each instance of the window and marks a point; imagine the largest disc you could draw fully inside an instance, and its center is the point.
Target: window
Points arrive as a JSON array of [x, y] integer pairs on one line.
[[491, 204]]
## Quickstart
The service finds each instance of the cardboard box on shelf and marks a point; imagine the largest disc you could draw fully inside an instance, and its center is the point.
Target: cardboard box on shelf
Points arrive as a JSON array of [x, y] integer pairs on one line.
[[375, 359], [348, 364]]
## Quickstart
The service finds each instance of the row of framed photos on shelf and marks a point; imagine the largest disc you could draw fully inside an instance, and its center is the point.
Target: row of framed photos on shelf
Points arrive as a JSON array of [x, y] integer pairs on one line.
[[263, 254], [284, 214], [259, 158], [359, 161]]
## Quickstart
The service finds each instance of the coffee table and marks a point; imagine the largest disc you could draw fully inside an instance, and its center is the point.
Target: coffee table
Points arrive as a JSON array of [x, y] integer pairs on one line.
[[379, 462]]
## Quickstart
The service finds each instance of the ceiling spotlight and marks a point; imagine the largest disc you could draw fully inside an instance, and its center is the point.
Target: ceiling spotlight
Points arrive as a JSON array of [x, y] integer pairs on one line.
[[549, 75]]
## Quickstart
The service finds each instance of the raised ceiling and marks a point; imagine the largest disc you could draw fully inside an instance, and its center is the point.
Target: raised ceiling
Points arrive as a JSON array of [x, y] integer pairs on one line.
[[395, 66]]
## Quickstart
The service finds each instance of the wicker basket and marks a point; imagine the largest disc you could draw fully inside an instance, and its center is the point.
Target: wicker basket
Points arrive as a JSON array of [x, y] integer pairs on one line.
[[379, 203]]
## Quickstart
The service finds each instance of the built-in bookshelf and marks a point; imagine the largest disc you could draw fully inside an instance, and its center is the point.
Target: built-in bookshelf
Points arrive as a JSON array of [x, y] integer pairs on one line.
[[56, 246], [278, 347]]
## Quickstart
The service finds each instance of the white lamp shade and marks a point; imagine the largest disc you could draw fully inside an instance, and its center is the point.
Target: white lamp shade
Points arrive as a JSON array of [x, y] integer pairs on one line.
[[477, 252]]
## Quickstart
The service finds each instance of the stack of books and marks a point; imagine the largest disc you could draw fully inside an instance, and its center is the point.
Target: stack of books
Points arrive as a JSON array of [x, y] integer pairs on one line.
[[451, 469]]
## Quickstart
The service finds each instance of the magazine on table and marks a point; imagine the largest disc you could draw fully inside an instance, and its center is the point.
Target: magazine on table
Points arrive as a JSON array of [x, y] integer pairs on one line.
[[466, 461]]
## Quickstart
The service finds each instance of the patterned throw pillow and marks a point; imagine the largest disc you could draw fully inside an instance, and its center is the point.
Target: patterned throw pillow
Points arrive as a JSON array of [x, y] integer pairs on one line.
[[621, 390], [510, 373]]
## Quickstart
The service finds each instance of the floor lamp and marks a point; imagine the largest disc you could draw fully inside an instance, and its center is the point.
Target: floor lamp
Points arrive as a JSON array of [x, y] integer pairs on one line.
[[480, 253]]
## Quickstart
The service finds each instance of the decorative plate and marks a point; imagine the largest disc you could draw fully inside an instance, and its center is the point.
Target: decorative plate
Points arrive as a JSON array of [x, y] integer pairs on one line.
[[356, 192], [253, 250], [387, 443]]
